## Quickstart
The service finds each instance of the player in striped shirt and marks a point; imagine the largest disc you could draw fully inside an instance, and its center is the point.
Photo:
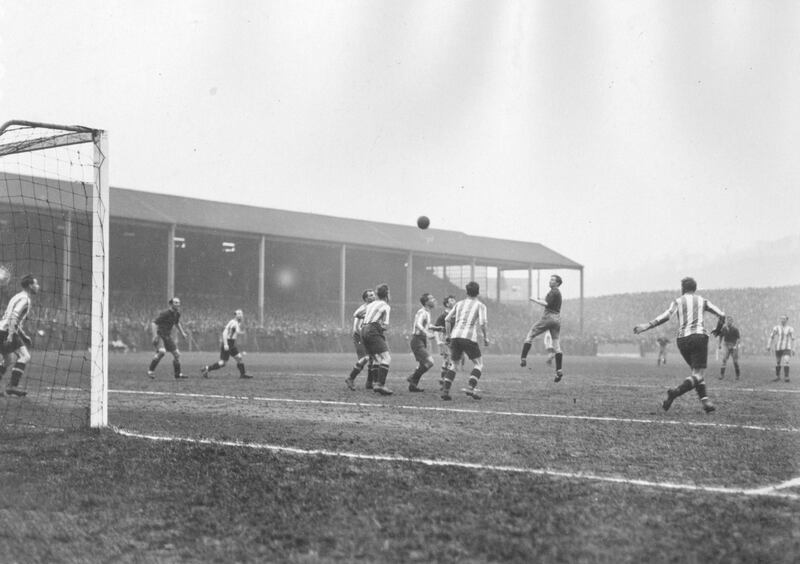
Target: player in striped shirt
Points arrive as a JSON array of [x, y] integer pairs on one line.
[[464, 322], [692, 339], [783, 335], [376, 321], [14, 342], [228, 347], [362, 356], [419, 341]]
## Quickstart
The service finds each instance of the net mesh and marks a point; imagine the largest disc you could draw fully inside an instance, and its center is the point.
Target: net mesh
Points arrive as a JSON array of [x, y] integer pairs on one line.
[[47, 177]]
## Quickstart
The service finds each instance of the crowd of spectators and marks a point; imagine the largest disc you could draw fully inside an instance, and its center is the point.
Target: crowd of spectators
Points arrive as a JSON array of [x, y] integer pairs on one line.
[[302, 326]]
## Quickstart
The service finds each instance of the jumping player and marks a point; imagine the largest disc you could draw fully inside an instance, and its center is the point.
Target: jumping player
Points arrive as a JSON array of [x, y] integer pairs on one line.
[[550, 321], [376, 321], [362, 356], [162, 332], [464, 321], [783, 334], [692, 339], [228, 347], [14, 342], [419, 341]]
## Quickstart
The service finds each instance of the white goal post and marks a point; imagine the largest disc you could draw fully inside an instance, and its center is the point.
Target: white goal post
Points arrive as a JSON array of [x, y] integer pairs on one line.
[[54, 217]]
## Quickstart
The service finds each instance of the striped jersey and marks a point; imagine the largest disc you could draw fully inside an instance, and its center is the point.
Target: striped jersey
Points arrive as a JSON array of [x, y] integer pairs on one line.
[[690, 309], [785, 337], [465, 318], [358, 316], [422, 321], [232, 330], [16, 312], [377, 312]]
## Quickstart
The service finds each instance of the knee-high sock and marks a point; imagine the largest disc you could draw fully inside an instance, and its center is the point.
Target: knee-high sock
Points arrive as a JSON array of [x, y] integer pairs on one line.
[[685, 386], [176, 367], [240, 366], [474, 376], [526, 347], [559, 359]]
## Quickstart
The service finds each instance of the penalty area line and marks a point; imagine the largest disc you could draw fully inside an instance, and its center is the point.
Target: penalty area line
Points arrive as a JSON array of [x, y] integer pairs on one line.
[[770, 491], [462, 410]]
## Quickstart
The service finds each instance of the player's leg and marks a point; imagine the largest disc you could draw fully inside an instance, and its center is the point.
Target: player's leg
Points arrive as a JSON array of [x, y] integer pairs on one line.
[[456, 353], [559, 356], [362, 357], [474, 354], [786, 357], [239, 358], [17, 370], [735, 357], [778, 358], [424, 360], [539, 328], [159, 354], [223, 359], [172, 348], [384, 359], [726, 353]]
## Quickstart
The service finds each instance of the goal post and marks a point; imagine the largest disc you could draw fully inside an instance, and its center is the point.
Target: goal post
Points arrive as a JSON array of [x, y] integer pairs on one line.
[[54, 224]]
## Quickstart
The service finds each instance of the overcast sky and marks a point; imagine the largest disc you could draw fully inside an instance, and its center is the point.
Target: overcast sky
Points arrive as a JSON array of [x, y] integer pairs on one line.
[[623, 134]]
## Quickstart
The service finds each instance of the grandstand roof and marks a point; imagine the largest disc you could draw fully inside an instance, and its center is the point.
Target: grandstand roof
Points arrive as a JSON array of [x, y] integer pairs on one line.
[[136, 205], [443, 247]]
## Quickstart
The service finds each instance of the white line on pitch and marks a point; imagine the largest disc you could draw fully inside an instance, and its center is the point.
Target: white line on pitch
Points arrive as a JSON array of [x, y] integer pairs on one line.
[[771, 491], [604, 384], [462, 410]]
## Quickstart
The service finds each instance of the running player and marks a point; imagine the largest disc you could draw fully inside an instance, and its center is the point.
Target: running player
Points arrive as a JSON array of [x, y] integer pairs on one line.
[[376, 322], [14, 342], [419, 341], [729, 343], [692, 339], [550, 321], [228, 347], [162, 333], [362, 356], [783, 334], [465, 320]]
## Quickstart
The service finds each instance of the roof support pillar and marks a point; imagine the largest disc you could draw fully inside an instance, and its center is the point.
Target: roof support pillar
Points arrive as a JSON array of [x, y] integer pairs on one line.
[[171, 262], [581, 271], [409, 283], [497, 283], [342, 283], [262, 268]]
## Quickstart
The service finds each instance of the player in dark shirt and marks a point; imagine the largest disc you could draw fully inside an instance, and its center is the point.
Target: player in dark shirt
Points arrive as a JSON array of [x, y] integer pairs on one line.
[[729, 337], [662, 350], [550, 321], [162, 335]]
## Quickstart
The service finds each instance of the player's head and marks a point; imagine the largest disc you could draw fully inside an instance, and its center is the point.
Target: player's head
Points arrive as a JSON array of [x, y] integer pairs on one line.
[[382, 292], [449, 301], [555, 281], [30, 284], [427, 300], [729, 320], [784, 319], [688, 285], [239, 314], [175, 303], [368, 295], [473, 289]]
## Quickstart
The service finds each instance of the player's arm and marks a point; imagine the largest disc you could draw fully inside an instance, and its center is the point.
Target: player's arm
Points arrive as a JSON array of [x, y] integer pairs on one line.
[[448, 323], [482, 321], [180, 330], [538, 301], [771, 335], [720, 317], [224, 337], [154, 331], [660, 320]]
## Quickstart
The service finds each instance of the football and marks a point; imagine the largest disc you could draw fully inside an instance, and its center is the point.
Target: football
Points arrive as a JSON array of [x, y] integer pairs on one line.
[[423, 222]]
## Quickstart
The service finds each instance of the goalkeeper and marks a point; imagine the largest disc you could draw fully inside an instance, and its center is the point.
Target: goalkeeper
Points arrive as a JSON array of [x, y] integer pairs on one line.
[[14, 342], [162, 335]]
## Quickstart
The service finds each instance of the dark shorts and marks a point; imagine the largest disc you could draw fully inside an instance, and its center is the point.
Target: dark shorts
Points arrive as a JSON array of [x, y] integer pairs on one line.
[[549, 322], [694, 350], [373, 339], [169, 343], [232, 350], [459, 347], [12, 346], [780, 356], [361, 350], [419, 346]]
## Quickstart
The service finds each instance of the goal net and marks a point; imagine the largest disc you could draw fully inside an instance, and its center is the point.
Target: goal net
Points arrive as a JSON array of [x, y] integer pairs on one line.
[[54, 227]]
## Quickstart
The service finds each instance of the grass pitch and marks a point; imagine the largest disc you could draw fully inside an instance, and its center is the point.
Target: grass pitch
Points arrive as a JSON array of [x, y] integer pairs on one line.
[[292, 466]]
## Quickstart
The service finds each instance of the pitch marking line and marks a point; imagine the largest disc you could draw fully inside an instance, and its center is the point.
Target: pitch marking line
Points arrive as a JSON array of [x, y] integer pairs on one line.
[[463, 410], [605, 385], [769, 491]]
